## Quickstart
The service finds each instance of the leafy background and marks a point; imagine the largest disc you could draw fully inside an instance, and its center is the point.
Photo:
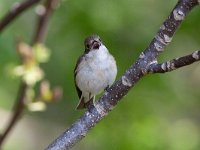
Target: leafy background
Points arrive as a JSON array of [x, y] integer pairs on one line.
[[160, 112]]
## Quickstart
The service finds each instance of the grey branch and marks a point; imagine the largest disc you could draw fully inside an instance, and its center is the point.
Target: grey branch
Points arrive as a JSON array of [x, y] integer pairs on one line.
[[15, 11], [175, 63], [121, 87]]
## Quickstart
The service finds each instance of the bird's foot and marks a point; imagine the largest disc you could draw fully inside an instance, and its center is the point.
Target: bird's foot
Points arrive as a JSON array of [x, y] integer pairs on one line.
[[89, 105], [106, 89]]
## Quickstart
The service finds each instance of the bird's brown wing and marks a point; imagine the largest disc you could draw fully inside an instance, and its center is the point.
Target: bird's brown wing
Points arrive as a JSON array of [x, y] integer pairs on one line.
[[75, 73], [81, 103]]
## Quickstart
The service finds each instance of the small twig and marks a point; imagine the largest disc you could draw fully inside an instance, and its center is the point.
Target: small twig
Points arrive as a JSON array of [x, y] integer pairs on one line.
[[16, 10], [175, 63], [39, 37], [19, 106], [44, 11], [121, 87]]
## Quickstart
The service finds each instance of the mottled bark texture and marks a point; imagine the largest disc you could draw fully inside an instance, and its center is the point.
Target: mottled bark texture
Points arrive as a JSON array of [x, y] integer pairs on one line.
[[146, 63], [15, 11]]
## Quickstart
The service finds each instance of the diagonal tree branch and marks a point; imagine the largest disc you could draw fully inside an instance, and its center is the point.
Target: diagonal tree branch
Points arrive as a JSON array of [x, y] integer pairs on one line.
[[15, 11], [175, 63], [39, 37], [121, 87]]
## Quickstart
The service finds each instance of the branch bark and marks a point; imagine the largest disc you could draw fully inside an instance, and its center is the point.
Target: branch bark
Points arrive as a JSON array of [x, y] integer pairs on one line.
[[41, 27], [121, 87], [15, 11]]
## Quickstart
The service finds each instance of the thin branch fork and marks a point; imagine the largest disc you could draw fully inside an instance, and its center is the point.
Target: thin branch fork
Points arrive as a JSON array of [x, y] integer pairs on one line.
[[121, 87], [15, 11]]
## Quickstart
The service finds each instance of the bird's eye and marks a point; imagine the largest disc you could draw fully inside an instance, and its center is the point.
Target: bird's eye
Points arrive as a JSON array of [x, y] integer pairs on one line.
[[87, 46]]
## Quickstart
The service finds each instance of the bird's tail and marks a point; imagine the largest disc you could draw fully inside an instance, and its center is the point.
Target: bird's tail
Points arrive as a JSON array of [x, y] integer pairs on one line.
[[82, 104]]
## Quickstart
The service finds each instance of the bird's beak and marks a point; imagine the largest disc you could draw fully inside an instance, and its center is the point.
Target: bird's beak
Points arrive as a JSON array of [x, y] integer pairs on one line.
[[96, 45]]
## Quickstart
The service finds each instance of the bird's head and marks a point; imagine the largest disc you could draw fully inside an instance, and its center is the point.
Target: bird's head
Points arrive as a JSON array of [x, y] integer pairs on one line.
[[92, 42]]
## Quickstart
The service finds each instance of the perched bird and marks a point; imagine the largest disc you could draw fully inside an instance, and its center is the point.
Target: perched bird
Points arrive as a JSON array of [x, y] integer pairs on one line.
[[95, 71]]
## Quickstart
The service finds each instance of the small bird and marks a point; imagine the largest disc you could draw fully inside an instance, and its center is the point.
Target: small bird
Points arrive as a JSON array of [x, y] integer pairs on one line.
[[95, 71]]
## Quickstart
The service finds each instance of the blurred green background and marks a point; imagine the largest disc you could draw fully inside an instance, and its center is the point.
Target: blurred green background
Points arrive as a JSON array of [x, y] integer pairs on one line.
[[162, 112]]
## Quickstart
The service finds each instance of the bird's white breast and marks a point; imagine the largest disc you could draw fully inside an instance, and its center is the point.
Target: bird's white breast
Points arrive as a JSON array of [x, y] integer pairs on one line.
[[96, 71]]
